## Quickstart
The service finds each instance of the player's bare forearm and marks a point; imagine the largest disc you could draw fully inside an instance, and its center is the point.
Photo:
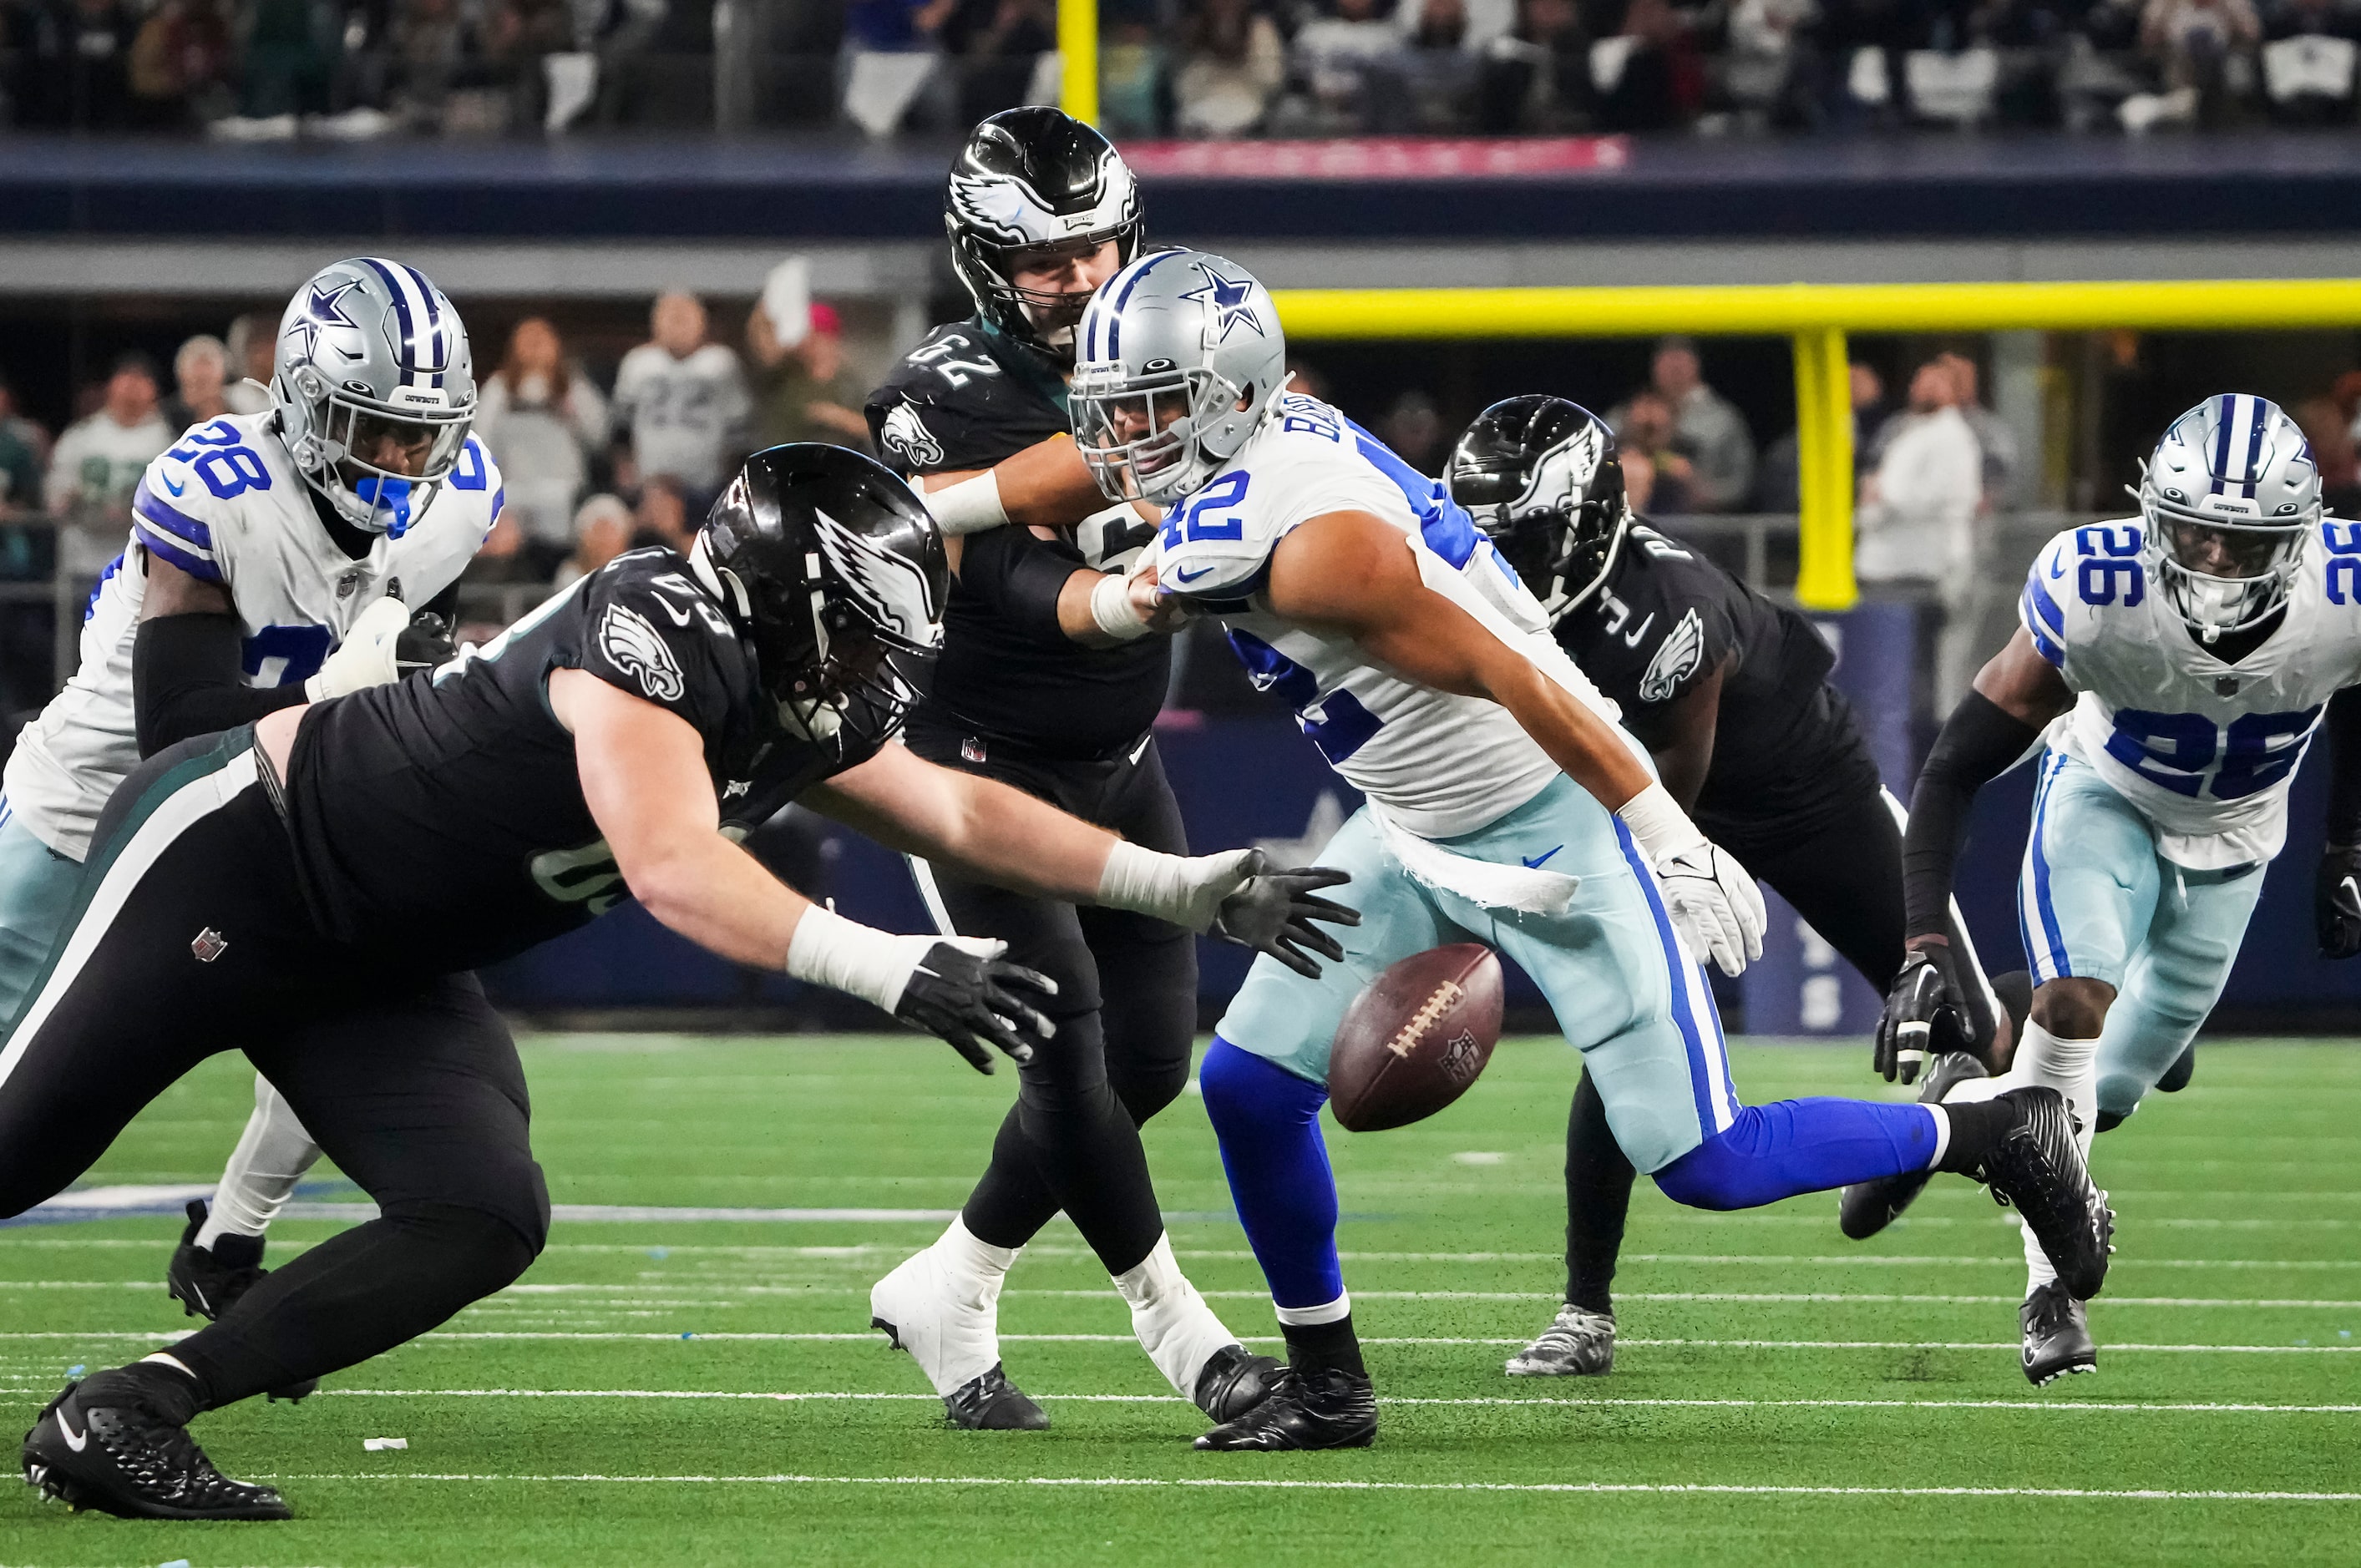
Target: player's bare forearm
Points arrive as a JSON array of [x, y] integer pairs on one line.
[[992, 832], [1681, 739], [1047, 484], [644, 777], [2022, 683], [1353, 573]]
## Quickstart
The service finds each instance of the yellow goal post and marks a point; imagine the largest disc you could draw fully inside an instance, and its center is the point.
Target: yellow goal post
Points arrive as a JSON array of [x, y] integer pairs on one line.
[[1816, 317]]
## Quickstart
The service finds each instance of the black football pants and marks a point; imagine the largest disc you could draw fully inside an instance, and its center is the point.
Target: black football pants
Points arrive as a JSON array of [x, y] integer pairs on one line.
[[190, 937], [1845, 879], [1125, 1013]]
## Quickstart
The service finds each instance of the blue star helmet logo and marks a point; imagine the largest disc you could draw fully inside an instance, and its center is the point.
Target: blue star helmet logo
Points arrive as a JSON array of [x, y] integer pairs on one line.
[[1233, 298], [322, 311]]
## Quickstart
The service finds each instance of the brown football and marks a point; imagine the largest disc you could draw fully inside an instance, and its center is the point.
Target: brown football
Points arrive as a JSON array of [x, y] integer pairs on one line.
[[1415, 1037]]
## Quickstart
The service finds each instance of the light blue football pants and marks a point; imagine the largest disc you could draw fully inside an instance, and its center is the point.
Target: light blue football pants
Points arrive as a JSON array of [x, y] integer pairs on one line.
[[1624, 992], [2096, 900], [37, 889]]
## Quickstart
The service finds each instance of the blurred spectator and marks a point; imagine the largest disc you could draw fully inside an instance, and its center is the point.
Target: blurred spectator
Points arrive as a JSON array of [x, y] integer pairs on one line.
[[21, 475], [2193, 40], [502, 558], [602, 531], [433, 42], [1868, 411], [1712, 455], [1645, 426], [681, 398], [27, 430], [891, 51], [806, 392], [1777, 484], [98, 459], [1649, 76], [2328, 425], [1994, 440], [543, 419], [662, 516], [1414, 430], [75, 71], [1132, 67], [179, 59], [1341, 57], [1537, 77], [200, 382], [253, 354], [997, 59], [1917, 510], [1438, 74], [1233, 64], [1765, 67], [284, 70]]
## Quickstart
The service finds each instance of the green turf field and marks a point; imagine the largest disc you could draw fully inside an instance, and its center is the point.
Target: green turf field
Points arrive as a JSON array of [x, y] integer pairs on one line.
[[661, 1391]]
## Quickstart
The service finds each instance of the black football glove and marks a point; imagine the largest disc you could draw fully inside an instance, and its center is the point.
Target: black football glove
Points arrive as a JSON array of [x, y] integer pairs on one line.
[[2336, 902], [1277, 912], [965, 998], [1924, 1014], [423, 645]]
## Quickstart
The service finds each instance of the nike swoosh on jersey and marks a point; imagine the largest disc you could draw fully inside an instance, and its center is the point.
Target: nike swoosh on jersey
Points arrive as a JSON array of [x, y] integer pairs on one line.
[[1545, 854], [1186, 576], [176, 489]]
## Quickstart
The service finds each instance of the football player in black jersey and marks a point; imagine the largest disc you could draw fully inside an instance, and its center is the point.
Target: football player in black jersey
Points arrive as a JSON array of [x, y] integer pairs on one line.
[[313, 889], [1729, 693], [1048, 682]]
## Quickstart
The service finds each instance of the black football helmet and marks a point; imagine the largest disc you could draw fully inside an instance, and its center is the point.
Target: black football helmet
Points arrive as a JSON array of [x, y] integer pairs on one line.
[[837, 574], [1540, 477], [1025, 178]]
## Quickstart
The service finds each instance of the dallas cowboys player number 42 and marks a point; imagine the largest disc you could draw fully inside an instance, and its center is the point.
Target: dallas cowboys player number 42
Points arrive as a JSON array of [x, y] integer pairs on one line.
[[1504, 805]]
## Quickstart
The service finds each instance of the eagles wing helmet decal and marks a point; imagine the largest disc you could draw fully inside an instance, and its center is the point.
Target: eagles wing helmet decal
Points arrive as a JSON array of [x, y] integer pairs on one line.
[[1003, 208], [1676, 659], [635, 646], [1565, 469], [894, 590], [904, 433]]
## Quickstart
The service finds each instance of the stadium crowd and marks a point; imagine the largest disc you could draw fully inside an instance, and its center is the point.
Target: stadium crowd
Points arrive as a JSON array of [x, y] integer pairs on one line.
[[272, 69]]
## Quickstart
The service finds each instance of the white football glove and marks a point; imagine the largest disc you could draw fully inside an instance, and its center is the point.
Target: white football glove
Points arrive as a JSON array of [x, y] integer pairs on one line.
[[1711, 898], [366, 657]]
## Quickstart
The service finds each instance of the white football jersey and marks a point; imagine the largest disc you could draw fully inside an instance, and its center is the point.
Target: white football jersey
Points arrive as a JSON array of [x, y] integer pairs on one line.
[[226, 504], [1437, 764], [2204, 749]]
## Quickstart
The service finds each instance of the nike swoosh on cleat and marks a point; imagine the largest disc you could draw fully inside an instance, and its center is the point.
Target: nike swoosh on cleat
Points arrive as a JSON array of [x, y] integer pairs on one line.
[[176, 489], [1545, 855], [74, 1442]]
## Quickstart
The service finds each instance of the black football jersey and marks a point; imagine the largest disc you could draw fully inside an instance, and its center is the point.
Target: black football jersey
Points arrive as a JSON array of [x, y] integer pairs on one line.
[[1786, 753], [444, 814], [967, 398]]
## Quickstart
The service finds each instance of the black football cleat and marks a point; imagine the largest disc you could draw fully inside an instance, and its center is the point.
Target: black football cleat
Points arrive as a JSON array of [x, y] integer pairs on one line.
[[2036, 1168], [1866, 1208], [102, 1445], [2057, 1336], [207, 1282], [1308, 1410], [1235, 1382], [992, 1403], [2184, 1068]]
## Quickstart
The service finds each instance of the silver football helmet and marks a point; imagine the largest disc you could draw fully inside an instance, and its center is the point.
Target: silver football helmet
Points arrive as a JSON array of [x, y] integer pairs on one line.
[[375, 389], [2229, 499], [1180, 360]]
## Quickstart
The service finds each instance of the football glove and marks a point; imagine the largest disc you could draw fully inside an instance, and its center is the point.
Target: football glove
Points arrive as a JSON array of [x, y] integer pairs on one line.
[[1277, 912], [1712, 899], [423, 644], [963, 996], [366, 657], [2336, 902], [1925, 1012]]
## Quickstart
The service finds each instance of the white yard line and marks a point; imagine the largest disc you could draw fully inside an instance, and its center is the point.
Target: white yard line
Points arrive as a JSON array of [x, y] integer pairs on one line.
[[1275, 1484], [873, 1337]]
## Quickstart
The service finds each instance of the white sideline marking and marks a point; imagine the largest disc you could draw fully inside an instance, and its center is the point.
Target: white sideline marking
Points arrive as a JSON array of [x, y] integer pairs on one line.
[[873, 1337], [2036, 1406], [1277, 1485]]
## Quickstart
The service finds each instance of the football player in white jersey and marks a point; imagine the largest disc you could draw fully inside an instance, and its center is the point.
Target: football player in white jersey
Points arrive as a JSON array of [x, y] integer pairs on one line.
[[1505, 805], [274, 559], [2171, 669]]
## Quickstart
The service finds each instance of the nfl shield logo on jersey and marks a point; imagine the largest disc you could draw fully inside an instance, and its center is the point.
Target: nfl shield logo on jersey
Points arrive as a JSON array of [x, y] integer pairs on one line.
[[209, 944]]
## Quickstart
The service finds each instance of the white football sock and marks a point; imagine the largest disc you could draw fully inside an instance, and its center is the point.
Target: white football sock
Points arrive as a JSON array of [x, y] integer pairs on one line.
[[269, 1159], [1175, 1326], [2038, 1270], [2070, 1067], [944, 1301]]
